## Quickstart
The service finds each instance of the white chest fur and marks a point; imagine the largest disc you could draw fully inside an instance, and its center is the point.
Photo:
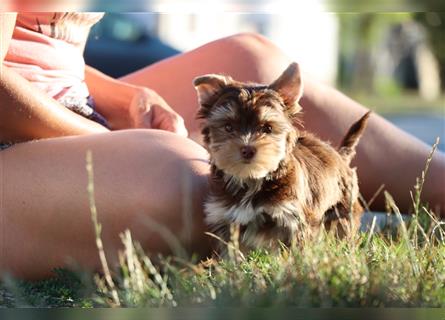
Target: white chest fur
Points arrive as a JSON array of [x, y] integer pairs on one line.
[[288, 214], [218, 212]]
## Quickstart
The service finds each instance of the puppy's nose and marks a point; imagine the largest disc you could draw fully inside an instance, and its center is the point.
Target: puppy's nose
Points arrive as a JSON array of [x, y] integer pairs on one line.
[[247, 152]]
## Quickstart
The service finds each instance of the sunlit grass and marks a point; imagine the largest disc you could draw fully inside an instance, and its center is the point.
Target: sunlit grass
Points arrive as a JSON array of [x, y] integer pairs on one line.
[[372, 270], [402, 267]]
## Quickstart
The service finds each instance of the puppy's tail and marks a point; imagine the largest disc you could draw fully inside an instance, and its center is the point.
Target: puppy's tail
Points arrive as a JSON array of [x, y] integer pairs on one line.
[[350, 141]]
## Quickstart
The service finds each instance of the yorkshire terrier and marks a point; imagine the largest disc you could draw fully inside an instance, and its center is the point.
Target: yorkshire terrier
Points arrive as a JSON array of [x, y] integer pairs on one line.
[[274, 181]]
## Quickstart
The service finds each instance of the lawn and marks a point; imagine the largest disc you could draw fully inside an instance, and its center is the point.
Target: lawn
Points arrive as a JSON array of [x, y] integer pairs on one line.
[[403, 266], [371, 271]]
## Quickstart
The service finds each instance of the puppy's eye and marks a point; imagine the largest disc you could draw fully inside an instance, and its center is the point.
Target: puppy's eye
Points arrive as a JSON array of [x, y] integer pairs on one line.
[[228, 127], [267, 128]]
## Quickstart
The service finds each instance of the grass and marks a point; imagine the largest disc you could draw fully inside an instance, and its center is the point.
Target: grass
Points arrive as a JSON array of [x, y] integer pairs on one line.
[[394, 268], [407, 103]]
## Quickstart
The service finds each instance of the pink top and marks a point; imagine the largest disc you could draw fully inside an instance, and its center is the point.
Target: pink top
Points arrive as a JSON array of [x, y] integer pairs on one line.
[[47, 50]]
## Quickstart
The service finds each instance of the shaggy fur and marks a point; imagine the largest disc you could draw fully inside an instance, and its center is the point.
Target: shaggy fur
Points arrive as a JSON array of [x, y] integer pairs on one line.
[[272, 180]]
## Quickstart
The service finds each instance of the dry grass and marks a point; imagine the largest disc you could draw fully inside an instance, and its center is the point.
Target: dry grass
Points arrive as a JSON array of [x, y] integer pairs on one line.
[[397, 267], [403, 267]]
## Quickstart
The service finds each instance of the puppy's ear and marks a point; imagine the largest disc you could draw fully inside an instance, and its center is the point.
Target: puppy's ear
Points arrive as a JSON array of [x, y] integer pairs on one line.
[[209, 84], [289, 85], [350, 141]]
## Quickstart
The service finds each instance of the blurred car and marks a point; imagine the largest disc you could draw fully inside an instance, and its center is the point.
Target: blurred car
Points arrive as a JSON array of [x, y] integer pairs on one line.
[[122, 43]]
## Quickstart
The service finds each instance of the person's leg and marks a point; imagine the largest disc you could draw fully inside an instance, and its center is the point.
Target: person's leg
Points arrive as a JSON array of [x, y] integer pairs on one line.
[[142, 178], [386, 154], [240, 56]]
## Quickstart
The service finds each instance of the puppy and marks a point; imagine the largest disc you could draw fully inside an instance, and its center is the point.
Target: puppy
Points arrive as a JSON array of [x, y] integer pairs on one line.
[[272, 180]]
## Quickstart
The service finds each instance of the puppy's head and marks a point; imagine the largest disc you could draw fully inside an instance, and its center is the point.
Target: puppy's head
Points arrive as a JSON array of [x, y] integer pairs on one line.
[[248, 128]]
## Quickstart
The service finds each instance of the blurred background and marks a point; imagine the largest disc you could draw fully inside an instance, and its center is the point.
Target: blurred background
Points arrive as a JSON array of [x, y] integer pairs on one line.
[[394, 63]]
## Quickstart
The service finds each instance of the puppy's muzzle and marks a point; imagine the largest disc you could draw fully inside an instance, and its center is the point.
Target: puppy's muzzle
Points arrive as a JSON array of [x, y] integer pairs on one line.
[[248, 152]]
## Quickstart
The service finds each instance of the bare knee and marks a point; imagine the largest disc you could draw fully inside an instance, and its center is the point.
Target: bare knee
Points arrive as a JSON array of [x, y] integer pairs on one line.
[[166, 186], [259, 59], [163, 161], [251, 38]]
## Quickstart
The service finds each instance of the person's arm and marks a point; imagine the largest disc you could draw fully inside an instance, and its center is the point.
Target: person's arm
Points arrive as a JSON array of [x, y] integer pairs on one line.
[[27, 113], [7, 23], [129, 106], [111, 99]]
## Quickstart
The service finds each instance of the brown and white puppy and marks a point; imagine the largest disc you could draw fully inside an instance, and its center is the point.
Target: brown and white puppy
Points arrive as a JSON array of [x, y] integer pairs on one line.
[[273, 180]]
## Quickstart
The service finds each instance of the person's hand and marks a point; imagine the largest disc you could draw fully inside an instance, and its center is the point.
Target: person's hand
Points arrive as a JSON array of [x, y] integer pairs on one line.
[[148, 110]]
